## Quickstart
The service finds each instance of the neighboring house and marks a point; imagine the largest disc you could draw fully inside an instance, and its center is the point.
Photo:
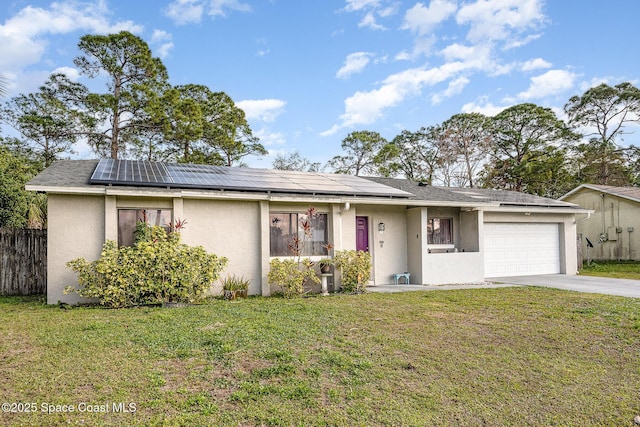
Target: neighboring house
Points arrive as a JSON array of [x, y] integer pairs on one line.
[[439, 235], [614, 227]]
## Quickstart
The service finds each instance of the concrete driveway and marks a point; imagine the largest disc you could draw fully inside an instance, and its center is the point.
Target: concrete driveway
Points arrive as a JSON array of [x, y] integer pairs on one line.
[[597, 285]]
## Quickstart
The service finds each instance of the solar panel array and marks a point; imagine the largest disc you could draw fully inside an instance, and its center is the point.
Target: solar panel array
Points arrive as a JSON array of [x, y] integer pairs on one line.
[[179, 175]]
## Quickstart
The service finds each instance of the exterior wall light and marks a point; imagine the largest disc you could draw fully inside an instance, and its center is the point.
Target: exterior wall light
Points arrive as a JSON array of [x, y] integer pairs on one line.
[[381, 231]]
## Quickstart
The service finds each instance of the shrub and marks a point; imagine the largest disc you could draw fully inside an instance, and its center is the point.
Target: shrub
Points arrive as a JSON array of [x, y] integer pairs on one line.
[[356, 269], [157, 268], [235, 283], [234, 286], [291, 275]]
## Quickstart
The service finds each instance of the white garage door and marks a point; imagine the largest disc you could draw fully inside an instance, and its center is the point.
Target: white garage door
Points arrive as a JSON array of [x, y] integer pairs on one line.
[[521, 249]]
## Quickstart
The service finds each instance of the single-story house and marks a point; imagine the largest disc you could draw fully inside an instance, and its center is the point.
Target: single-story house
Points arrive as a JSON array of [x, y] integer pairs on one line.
[[612, 232], [438, 235]]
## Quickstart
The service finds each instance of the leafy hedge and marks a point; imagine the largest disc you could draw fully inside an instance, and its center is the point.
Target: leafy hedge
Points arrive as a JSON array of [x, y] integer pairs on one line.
[[356, 269], [157, 268]]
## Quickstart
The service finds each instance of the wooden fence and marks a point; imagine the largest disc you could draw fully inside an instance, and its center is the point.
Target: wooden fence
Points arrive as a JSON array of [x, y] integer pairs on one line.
[[23, 261]]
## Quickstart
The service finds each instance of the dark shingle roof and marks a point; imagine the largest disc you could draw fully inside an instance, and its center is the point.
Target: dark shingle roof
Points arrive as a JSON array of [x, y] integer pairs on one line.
[[65, 173], [470, 195]]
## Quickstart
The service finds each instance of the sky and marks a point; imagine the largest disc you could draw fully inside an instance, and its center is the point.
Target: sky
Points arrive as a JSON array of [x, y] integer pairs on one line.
[[307, 73]]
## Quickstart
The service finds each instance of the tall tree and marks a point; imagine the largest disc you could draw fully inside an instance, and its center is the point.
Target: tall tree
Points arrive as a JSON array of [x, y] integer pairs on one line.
[[51, 120], [203, 126], [599, 162], [633, 161], [466, 140], [418, 154], [227, 132], [15, 171], [133, 75], [525, 137], [181, 117], [295, 162], [603, 112], [365, 152]]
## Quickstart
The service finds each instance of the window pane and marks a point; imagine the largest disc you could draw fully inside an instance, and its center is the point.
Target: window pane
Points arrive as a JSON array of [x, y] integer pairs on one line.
[[126, 226], [129, 218], [283, 228], [439, 231], [286, 227], [318, 236]]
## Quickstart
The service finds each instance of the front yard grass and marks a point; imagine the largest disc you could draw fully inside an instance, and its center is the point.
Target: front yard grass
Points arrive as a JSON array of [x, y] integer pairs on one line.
[[481, 357], [615, 269]]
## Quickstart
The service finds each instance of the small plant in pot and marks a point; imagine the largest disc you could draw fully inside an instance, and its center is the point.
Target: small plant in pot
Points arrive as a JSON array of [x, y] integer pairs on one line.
[[325, 265], [235, 287]]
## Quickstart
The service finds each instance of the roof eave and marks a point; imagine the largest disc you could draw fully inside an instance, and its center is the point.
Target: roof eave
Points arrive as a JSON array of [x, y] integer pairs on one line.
[[599, 190], [50, 189]]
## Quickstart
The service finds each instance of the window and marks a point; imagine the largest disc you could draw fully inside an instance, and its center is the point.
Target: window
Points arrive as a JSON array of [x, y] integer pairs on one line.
[[285, 228], [129, 218], [440, 231]]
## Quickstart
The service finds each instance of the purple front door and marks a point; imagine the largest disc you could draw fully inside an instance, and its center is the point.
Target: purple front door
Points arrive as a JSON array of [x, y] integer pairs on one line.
[[362, 233]]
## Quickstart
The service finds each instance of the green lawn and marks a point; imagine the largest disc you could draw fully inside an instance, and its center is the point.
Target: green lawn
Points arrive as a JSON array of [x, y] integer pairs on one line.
[[487, 357], [618, 270]]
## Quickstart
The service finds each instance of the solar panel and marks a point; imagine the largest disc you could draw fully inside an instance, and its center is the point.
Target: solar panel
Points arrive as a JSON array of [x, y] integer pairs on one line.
[[178, 175]]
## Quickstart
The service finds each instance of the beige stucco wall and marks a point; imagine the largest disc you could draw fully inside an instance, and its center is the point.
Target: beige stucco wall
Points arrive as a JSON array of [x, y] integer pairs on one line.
[[416, 241], [227, 228], [567, 230], [76, 229], [611, 219]]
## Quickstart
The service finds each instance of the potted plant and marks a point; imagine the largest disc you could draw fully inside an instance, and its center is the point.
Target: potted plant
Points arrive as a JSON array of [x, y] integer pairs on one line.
[[235, 287], [325, 265]]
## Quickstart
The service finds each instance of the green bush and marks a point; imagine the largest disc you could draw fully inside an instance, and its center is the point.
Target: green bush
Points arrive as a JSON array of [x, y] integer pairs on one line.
[[157, 268], [291, 275], [356, 269]]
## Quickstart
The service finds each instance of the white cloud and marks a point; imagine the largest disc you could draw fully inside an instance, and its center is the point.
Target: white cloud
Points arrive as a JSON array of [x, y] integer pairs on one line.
[[423, 19], [364, 108], [500, 19], [488, 109], [265, 110], [595, 81], [270, 139], [163, 42], [355, 5], [24, 37], [369, 21], [551, 83], [185, 11], [455, 87], [478, 56], [535, 64], [218, 7], [372, 10], [72, 73], [191, 11], [355, 63]]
